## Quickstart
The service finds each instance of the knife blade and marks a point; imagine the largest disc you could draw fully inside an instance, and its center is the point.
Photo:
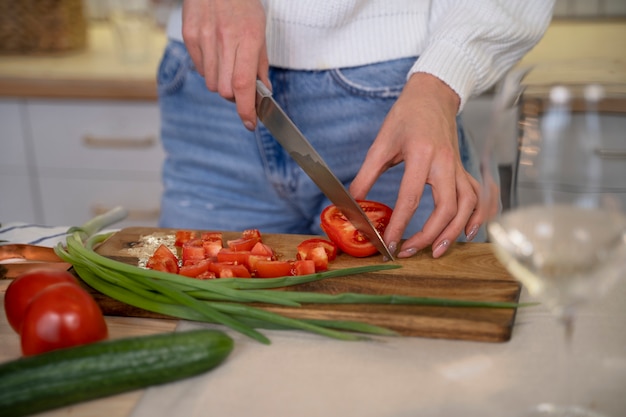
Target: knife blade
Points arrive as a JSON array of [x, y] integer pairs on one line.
[[293, 141]]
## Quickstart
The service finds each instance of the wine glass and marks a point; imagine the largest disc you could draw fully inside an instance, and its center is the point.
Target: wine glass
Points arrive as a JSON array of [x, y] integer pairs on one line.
[[563, 233]]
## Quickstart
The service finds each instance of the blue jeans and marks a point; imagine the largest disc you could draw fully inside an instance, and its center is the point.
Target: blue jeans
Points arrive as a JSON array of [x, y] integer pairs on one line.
[[218, 175]]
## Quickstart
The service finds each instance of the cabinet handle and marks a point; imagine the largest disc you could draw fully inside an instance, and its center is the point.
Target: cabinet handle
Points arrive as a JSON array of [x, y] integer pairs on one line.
[[611, 153], [133, 214], [111, 142]]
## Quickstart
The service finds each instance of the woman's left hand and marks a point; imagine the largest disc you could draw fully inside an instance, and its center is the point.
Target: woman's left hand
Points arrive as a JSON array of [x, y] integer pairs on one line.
[[421, 130]]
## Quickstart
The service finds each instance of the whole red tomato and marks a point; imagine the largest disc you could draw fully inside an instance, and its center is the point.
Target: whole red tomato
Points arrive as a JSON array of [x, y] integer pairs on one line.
[[62, 315], [25, 287], [343, 234]]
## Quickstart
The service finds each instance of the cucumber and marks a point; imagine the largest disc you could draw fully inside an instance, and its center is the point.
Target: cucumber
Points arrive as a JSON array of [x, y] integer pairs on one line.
[[67, 376]]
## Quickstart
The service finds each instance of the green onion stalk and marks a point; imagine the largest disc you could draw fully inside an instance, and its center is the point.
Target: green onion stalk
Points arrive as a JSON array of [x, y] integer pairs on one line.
[[226, 301]]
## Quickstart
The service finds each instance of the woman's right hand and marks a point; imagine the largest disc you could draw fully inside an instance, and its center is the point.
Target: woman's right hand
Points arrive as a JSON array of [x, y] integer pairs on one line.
[[226, 41]]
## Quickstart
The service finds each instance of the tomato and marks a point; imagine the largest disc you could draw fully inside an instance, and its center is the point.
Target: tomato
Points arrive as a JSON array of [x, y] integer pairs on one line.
[[248, 239], [236, 257], [305, 267], [341, 231], [25, 287], [60, 316], [193, 250], [193, 270], [320, 251], [228, 270], [273, 269], [183, 236], [163, 259], [261, 249]]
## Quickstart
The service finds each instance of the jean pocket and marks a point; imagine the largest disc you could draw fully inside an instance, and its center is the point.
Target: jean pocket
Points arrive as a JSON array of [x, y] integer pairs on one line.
[[380, 80], [173, 68]]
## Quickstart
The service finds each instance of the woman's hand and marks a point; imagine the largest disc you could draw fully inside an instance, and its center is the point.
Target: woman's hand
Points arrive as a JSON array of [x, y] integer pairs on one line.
[[421, 130], [226, 41]]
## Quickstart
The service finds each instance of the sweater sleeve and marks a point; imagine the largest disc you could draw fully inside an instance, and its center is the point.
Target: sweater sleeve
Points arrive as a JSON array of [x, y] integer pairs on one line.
[[472, 43]]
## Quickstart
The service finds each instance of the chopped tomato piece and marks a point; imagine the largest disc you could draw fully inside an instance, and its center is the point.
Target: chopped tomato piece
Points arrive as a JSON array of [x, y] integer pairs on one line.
[[211, 248], [319, 257], [196, 269], [305, 267], [211, 236], [206, 275], [242, 244], [261, 249], [273, 269], [236, 257], [163, 259], [254, 259], [193, 250], [183, 236], [228, 270], [341, 231], [251, 233], [305, 246]]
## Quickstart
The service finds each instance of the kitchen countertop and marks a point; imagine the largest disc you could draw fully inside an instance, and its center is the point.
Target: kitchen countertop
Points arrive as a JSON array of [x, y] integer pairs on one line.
[[308, 375], [99, 73]]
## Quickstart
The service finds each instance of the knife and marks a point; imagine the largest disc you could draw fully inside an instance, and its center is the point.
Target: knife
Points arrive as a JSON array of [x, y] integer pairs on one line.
[[293, 141]]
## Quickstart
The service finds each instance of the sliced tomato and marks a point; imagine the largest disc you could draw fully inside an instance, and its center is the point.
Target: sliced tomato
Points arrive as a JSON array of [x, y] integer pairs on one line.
[[183, 236], [211, 236], [206, 275], [254, 259], [341, 231], [251, 233], [228, 255], [261, 249], [212, 243], [195, 269], [228, 270], [304, 267], [273, 269], [307, 245], [320, 258], [193, 250], [163, 259]]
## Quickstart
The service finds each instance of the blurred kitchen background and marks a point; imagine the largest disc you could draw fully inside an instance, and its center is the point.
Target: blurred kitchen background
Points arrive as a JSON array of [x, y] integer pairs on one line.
[[79, 118]]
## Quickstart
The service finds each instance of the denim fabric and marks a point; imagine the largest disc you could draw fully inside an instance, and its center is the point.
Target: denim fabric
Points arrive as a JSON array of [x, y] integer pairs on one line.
[[218, 175]]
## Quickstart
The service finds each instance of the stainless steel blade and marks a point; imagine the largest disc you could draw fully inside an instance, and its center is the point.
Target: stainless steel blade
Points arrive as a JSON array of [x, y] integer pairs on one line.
[[294, 142]]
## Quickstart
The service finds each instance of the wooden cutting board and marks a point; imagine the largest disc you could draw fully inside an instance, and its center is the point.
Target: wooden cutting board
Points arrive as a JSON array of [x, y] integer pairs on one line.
[[468, 271]]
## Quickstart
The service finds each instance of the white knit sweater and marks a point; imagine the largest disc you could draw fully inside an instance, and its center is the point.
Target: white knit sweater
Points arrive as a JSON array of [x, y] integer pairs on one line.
[[468, 44]]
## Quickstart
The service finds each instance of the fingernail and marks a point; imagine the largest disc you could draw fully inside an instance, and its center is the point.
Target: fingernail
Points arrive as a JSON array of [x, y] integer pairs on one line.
[[472, 233], [392, 247], [406, 253], [249, 125], [441, 248]]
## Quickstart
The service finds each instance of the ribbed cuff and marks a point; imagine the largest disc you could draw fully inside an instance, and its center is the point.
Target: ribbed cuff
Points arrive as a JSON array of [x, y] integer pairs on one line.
[[449, 63]]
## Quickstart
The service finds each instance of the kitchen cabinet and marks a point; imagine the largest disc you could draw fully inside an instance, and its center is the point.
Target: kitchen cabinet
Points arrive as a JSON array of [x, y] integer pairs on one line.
[[16, 182], [70, 160]]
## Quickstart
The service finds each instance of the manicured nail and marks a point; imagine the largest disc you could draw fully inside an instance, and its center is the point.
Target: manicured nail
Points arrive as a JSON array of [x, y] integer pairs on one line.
[[407, 253], [441, 248], [472, 233], [249, 125], [392, 247]]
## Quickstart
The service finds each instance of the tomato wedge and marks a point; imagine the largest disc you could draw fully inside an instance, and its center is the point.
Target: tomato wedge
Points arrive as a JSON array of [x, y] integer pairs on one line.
[[341, 231], [273, 269], [163, 259]]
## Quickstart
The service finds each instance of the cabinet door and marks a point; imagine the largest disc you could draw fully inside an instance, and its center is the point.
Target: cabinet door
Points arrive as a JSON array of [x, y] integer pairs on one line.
[[87, 135], [73, 201], [16, 194], [91, 156]]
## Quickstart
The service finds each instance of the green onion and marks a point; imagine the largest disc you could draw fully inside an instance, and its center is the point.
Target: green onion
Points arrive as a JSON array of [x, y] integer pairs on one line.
[[227, 301]]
